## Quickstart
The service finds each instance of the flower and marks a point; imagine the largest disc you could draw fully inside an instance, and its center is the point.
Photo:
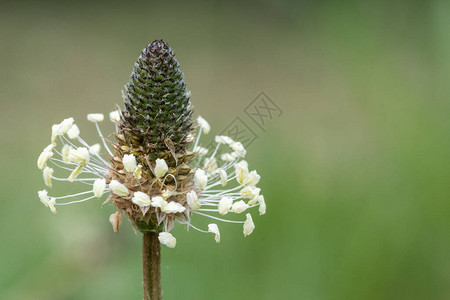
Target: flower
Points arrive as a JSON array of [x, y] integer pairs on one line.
[[239, 207], [224, 205], [43, 196], [250, 192], [161, 167], [248, 225], [173, 207], [203, 124], [200, 179], [155, 168], [42, 160], [241, 171], [192, 200], [262, 205], [94, 149], [114, 116], [252, 178], [65, 126], [99, 187], [223, 176], [138, 172], [159, 202], [73, 132], [238, 149], [227, 157], [65, 153], [47, 173], [118, 188], [167, 239], [48, 202], [201, 150], [79, 156], [95, 118], [141, 199], [129, 162], [214, 229], [222, 139]]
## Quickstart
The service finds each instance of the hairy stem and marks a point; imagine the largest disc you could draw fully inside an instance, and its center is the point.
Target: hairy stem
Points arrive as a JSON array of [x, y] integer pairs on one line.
[[151, 265]]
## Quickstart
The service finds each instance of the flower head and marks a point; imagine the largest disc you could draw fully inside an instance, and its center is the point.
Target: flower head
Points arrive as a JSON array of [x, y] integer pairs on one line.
[[154, 169]]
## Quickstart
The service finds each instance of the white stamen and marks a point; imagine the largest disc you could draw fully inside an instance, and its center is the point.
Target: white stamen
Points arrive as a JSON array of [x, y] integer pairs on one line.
[[238, 149], [158, 202], [248, 225], [167, 239], [48, 172], [99, 187], [203, 124], [252, 178], [95, 149], [173, 207], [129, 162], [80, 155], [161, 168], [225, 205], [210, 165], [223, 176], [95, 117], [75, 173], [118, 188], [65, 125], [42, 160], [55, 132], [138, 172], [201, 151], [73, 132], [114, 116], [43, 196], [213, 228], [200, 179], [65, 152], [51, 204], [192, 200], [141, 199], [222, 139], [262, 205], [227, 157], [241, 169], [250, 192], [239, 207]]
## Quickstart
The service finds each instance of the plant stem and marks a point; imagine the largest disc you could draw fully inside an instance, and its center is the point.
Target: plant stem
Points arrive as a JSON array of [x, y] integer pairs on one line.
[[151, 265]]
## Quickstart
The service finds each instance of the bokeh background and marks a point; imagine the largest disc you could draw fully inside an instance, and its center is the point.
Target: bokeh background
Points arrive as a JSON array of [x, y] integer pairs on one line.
[[355, 171]]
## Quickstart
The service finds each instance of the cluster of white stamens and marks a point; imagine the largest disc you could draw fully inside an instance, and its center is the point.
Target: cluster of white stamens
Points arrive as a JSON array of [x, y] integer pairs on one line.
[[214, 174], [82, 160], [222, 185]]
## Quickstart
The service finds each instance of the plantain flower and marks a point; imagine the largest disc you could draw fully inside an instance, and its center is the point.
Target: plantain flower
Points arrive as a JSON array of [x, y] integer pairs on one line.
[[154, 167]]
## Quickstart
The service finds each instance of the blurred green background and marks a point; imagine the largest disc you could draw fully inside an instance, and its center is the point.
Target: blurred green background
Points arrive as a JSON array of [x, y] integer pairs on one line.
[[355, 172]]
